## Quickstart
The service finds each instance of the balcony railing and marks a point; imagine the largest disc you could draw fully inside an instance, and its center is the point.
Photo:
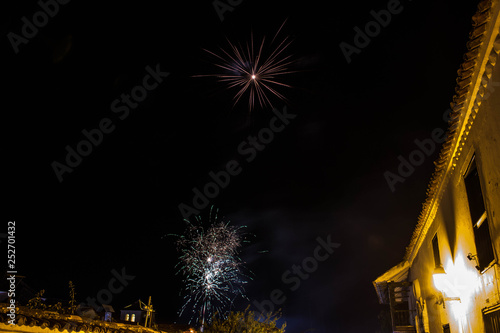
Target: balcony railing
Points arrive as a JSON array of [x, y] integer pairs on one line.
[[403, 317]]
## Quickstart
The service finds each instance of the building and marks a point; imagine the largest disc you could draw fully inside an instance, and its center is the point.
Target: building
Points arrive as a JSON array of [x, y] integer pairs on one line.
[[449, 278], [133, 313], [137, 313], [43, 321], [108, 312]]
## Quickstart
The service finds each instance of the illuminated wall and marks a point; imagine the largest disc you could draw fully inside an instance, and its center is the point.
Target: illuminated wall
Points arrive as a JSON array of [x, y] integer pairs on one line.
[[452, 258], [453, 225]]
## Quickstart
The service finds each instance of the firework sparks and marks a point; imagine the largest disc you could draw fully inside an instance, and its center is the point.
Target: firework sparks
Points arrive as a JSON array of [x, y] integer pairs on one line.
[[254, 70], [211, 267]]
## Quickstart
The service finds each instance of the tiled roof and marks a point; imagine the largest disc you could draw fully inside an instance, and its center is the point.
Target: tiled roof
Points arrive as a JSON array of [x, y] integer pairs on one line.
[[107, 308], [470, 88], [396, 274], [59, 322]]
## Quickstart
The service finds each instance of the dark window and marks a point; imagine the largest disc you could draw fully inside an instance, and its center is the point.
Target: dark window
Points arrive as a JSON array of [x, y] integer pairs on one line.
[[478, 215], [492, 322], [446, 328], [435, 249]]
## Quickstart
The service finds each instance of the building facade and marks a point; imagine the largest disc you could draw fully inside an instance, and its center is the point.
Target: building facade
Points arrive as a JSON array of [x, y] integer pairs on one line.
[[449, 278]]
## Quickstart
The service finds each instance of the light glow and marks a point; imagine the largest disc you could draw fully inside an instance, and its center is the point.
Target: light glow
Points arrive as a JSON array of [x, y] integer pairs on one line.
[[462, 281], [440, 279]]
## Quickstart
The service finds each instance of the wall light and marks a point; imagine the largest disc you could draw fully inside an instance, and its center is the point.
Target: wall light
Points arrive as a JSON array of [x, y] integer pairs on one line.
[[445, 287], [439, 277]]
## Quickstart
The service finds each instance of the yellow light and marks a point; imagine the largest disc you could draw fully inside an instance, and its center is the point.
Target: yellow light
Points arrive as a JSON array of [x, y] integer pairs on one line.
[[460, 283], [481, 220], [440, 279]]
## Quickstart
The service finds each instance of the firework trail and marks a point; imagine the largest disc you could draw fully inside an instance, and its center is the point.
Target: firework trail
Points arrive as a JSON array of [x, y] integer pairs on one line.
[[254, 69], [211, 267]]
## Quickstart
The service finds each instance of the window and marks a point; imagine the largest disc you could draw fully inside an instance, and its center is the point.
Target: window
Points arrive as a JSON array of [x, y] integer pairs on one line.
[[435, 249], [446, 328], [127, 317], [133, 317], [478, 216]]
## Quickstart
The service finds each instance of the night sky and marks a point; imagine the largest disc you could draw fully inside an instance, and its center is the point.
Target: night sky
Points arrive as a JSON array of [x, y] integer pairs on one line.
[[322, 176]]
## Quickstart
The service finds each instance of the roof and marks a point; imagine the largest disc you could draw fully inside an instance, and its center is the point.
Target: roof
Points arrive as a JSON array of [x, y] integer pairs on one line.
[[108, 308], [397, 273], [55, 322], [86, 311], [136, 306], [473, 77]]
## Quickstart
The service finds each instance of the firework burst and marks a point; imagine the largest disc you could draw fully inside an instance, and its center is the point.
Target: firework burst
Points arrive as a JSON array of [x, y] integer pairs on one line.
[[211, 267], [256, 70]]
